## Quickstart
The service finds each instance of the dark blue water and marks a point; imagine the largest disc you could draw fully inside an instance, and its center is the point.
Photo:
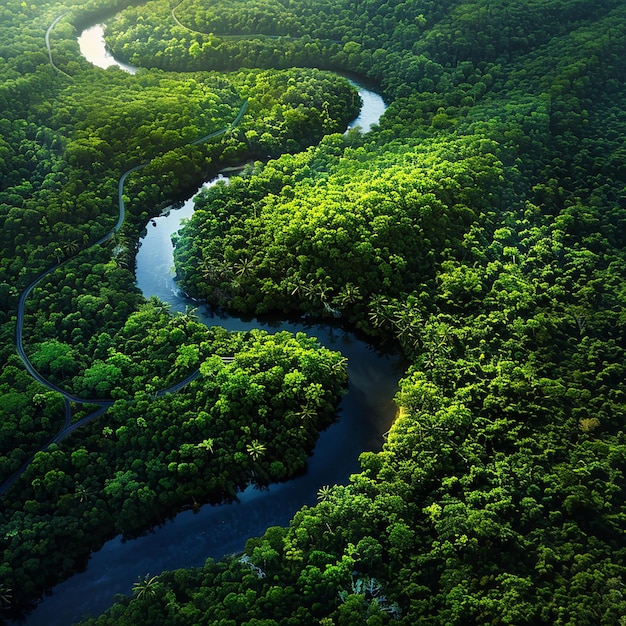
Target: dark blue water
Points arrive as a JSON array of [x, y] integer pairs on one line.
[[365, 413]]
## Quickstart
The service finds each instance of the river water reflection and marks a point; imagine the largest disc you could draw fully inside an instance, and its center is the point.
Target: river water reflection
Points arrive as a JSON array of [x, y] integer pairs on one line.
[[93, 47], [365, 413]]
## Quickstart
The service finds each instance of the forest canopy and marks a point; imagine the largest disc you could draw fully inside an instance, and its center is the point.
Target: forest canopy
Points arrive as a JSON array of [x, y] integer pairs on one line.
[[479, 227]]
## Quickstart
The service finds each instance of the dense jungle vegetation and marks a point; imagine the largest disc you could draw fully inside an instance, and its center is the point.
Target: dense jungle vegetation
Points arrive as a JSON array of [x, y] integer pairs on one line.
[[481, 226], [251, 405]]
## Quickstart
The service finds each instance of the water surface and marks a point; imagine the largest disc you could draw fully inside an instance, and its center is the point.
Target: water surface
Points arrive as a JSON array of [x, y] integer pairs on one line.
[[365, 413], [93, 48]]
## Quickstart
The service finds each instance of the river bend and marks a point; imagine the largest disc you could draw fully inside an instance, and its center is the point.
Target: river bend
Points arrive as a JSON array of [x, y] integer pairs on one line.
[[366, 412]]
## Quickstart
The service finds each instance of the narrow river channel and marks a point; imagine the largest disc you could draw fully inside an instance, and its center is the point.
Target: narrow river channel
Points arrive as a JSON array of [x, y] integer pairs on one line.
[[365, 413]]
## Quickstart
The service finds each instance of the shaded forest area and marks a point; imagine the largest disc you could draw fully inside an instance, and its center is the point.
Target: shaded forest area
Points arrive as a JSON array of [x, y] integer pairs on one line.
[[481, 226]]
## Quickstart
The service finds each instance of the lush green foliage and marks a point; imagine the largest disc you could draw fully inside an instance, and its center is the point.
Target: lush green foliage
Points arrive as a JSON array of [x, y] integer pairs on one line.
[[498, 497], [481, 226], [154, 453], [87, 330], [333, 229]]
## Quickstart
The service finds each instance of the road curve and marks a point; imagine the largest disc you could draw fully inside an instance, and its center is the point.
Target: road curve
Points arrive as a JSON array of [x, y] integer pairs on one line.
[[68, 398], [47, 38]]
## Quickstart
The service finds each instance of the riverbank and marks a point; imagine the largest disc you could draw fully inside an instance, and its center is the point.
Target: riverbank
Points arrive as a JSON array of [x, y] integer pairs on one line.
[[333, 462]]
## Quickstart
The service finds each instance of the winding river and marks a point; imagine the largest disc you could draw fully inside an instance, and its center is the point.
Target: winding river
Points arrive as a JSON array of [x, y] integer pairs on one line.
[[365, 413], [93, 48]]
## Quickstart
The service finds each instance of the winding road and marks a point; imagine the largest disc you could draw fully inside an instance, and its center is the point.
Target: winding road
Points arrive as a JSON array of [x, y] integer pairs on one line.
[[367, 410], [47, 37], [68, 427]]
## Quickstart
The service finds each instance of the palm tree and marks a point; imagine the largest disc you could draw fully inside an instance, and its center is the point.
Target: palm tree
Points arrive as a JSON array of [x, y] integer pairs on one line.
[[324, 493], [207, 270], [243, 267], [6, 595], [187, 316], [349, 294], [215, 270], [255, 449], [82, 492], [296, 288], [146, 587], [307, 290], [307, 412], [207, 444], [320, 292], [70, 247], [380, 312], [339, 366]]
